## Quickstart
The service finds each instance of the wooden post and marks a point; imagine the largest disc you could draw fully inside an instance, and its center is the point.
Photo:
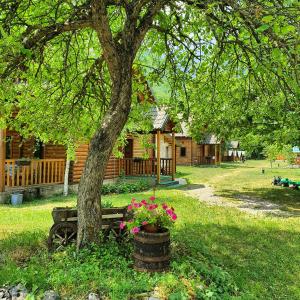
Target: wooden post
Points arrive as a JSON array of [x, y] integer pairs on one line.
[[173, 156], [2, 159], [158, 155], [216, 154], [206, 152], [220, 154]]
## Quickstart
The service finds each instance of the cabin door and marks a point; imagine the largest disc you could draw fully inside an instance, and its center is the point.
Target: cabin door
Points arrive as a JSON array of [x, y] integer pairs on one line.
[[128, 151], [128, 155]]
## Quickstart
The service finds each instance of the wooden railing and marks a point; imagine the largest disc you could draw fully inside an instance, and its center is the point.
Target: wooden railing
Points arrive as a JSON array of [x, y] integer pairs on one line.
[[166, 166], [205, 160], [145, 167], [138, 166], [20, 173]]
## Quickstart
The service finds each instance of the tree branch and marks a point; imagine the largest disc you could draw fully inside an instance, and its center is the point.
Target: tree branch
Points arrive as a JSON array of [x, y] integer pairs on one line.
[[102, 27]]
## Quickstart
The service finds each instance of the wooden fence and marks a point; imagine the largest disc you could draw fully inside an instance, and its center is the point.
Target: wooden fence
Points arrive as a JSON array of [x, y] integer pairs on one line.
[[20, 173], [145, 167]]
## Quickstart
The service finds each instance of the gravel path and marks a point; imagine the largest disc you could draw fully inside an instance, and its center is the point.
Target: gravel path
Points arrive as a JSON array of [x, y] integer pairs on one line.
[[244, 203]]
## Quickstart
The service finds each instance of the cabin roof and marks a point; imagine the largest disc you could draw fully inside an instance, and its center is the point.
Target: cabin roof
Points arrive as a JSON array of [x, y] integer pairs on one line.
[[159, 117], [210, 139], [184, 130]]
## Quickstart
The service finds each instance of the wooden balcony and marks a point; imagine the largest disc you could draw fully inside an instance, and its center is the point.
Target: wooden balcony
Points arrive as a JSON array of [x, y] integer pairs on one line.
[[146, 167], [24, 173]]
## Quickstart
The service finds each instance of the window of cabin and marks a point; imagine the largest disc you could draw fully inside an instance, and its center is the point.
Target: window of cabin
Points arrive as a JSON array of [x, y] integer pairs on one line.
[[182, 151], [8, 147]]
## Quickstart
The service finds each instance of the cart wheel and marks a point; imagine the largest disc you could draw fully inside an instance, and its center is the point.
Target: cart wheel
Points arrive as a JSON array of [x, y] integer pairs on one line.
[[61, 235], [120, 235]]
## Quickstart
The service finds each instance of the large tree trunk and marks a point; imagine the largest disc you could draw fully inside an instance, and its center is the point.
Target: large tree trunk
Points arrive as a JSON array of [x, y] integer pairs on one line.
[[101, 146]]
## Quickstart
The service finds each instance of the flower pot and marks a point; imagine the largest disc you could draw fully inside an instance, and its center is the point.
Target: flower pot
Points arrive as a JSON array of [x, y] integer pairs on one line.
[[21, 163], [151, 228], [152, 251]]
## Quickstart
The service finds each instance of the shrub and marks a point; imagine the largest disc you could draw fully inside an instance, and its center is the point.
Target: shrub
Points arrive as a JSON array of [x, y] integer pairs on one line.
[[125, 187]]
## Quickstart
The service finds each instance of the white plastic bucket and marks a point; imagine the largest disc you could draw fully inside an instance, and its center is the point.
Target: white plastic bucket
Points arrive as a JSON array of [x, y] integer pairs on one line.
[[16, 199]]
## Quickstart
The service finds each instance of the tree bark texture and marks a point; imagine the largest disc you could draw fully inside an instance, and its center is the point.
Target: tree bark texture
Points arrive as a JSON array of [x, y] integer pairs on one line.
[[119, 52], [101, 146]]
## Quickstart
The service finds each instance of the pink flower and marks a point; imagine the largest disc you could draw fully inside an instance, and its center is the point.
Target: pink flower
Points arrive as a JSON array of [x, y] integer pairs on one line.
[[136, 205], [135, 230], [169, 212], [152, 198], [122, 225], [133, 200], [145, 223], [164, 206], [152, 206], [130, 207], [174, 217], [144, 202], [130, 221]]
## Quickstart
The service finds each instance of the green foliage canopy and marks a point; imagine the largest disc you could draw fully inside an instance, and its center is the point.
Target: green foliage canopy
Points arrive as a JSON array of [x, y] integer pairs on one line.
[[231, 67]]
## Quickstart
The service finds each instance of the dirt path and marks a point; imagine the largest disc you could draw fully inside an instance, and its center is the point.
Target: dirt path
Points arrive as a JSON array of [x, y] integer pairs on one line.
[[244, 203]]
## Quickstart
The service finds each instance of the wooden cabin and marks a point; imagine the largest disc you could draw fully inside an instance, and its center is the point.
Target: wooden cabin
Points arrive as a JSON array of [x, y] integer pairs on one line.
[[27, 163], [207, 152]]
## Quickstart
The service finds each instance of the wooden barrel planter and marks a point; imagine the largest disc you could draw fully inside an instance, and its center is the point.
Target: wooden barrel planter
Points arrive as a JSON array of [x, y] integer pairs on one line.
[[152, 251]]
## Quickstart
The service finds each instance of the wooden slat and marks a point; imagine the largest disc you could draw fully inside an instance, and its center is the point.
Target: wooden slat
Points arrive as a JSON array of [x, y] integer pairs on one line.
[[40, 168], [27, 175], [18, 176], [48, 171], [8, 166], [59, 172], [52, 172], [31, 173], [22, 176], [44, 171]]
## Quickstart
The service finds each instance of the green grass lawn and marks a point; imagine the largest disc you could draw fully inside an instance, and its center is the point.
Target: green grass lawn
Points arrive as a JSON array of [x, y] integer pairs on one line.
[[232, 180], [218, 252]]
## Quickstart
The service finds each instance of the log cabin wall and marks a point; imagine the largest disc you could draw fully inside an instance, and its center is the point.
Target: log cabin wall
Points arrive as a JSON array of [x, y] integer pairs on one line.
[[139, 150], [52, 151], [25, 148], [14, 139], [192, 151], [76, 169], [184, 157], [19, 147]]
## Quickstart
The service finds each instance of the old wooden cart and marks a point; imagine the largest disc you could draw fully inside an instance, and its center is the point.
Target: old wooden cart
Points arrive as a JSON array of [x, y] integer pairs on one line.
[[64, 230]]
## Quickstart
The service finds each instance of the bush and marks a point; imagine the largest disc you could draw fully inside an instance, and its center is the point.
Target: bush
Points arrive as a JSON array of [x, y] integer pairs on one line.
[[125, 187]]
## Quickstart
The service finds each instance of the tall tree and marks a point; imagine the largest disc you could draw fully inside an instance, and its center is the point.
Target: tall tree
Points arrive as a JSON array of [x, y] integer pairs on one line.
[[76, 58]]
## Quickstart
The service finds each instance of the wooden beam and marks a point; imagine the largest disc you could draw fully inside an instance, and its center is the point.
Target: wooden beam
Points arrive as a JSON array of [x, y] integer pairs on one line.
[[158, 155], [173, 156], [2, 159]]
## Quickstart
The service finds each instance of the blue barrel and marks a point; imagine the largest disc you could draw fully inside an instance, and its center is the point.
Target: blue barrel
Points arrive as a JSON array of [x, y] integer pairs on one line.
[[16, 199]]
